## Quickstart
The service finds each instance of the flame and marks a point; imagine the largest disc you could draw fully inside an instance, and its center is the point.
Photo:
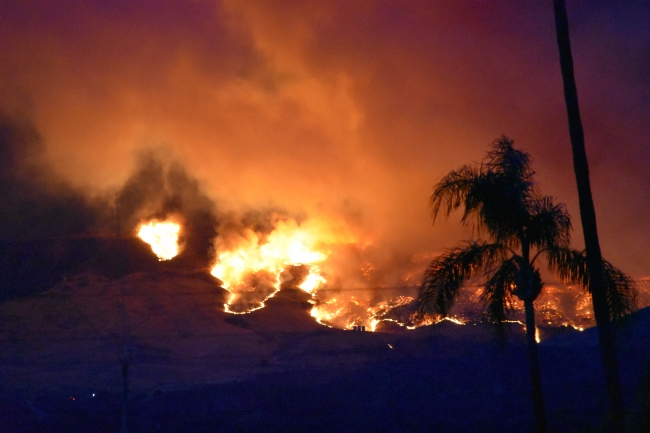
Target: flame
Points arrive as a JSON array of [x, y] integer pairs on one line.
[[455, 320], [162, 236], [253, 266], [313, 280], [346, 279], [326, 312]]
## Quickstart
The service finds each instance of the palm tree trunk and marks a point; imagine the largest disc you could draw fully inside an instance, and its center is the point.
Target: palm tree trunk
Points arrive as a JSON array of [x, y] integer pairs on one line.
[[588, 217], [535, 373], [531, 342]]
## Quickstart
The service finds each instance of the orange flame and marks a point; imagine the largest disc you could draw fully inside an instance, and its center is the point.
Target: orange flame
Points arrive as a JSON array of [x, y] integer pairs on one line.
[[162, 236], [255, 266]]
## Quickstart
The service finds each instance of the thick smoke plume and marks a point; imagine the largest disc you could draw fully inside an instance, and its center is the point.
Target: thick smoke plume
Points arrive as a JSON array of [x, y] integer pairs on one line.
[[43, 219], [49, 228], [160, 188], [312, 105], [42, 213], [36, 203]]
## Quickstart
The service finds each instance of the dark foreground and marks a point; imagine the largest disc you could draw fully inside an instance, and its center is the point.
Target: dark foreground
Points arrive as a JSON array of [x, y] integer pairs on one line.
[[433, 381], [195, 368]]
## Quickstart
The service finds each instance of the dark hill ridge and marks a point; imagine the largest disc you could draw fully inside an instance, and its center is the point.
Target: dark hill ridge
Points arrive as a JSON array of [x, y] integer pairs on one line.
[[171, 313], [194, 367], [28, 267], [33, 266], [170, 318]]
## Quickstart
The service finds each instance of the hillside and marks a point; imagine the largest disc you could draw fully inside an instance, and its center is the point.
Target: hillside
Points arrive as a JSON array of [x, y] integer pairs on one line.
[[194, 367]]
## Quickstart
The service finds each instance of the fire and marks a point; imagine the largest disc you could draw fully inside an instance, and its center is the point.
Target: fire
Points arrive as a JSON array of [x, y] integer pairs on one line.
[[455, 320], [253, 266], [313, 281], [349, 282], [322, 256], [326, 312], [162, 236]]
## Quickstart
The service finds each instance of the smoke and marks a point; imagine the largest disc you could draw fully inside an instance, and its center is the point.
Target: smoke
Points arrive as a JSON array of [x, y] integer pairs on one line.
[[41, 215], [37, 203], [160, 188], [363, 280], [347, 112], [322, 103]]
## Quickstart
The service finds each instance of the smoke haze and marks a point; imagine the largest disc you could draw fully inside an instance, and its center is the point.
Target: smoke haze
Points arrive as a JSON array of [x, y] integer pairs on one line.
[[352, 110], [37, 203]]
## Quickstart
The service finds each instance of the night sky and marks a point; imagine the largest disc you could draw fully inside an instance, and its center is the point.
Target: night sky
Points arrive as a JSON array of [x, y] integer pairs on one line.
[[351, 109]]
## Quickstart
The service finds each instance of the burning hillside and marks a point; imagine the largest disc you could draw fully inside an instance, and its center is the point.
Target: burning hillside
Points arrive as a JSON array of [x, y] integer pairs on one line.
[[322, 257], [253, 266], [329, 262], [352, 277]]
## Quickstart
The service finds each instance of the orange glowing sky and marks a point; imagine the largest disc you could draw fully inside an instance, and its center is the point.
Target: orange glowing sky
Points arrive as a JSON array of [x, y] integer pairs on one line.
[[350, 108]]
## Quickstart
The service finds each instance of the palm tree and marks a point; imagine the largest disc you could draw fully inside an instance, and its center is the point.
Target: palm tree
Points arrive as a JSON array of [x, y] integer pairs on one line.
[[499, 198], [588, 217]]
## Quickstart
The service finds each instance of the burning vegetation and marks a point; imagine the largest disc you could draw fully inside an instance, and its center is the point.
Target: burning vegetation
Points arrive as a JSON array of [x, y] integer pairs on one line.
[[162, 236], [254, 254], [253, 261], [253, 266]]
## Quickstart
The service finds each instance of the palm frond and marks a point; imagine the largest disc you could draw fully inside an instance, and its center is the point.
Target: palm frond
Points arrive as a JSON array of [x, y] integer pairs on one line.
[[549, 224], [497, 292], [502, 208], [508, 161], [504, 192], [447, 272], [621, 291], [451, 192], [494, 195], [571, 266], [568, 264]]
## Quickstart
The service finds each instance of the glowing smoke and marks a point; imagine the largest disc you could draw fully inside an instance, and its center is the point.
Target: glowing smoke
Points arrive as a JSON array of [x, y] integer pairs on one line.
[[352, 280], [160, 187]]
